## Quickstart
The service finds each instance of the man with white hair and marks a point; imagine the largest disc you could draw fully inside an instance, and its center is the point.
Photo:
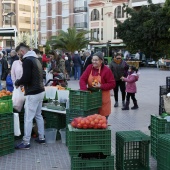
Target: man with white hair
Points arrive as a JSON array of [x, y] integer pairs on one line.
[[13, 57], [3, 71], [88, 59]]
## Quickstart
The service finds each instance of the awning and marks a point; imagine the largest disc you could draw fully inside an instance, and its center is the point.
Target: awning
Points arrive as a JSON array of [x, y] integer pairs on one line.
[[8, 32], [111, 45]]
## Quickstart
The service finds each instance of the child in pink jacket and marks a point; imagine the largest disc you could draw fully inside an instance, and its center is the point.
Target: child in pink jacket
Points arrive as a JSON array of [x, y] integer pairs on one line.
[[131, 87]]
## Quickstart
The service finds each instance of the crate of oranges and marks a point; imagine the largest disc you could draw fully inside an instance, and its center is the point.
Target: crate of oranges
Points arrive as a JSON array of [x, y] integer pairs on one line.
[[5, 95]]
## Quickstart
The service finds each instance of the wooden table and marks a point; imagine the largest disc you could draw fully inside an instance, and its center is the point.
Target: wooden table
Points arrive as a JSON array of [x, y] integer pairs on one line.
[[133, 63]]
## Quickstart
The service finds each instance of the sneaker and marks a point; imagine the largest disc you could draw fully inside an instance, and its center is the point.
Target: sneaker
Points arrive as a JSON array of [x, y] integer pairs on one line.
[[116, 104], [40, 141], [22, 146], [123, 103]]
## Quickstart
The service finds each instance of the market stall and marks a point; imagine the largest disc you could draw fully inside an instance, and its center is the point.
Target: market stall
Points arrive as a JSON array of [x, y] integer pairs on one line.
[[133, 63]]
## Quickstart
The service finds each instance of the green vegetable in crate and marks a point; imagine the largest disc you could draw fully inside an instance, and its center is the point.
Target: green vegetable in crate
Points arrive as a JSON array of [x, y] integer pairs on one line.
[[95, 121], [164, 115]]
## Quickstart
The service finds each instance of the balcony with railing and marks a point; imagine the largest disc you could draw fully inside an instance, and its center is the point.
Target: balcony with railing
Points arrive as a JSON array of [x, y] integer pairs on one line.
[[80, 9], [80, 25]]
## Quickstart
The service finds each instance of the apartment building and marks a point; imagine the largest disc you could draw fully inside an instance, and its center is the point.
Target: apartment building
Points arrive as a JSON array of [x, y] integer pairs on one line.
[[19, 14], [102, 24], [58, 15]]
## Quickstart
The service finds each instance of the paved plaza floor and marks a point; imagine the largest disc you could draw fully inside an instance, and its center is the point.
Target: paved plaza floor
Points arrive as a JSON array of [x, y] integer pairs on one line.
[[55, 156]]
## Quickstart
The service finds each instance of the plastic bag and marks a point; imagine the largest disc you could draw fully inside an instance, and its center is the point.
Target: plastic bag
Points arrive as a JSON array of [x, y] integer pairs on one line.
[[18, 99], [17, 131], [48, 77], [166, 103]]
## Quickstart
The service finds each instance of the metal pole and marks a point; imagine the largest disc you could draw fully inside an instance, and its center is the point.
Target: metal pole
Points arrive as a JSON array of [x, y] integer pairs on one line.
[[35, 24], [11, 27], [31, 27]]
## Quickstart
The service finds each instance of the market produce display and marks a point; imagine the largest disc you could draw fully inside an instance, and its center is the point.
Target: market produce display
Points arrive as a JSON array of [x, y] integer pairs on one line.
[[95, 121], [5, 93]]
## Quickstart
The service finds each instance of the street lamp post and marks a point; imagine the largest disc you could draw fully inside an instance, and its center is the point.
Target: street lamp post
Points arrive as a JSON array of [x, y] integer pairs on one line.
[[10, 14]]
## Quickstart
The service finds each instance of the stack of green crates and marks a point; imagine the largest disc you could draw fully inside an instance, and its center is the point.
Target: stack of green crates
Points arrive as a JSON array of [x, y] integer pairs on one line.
[[158, 126], [163, 153], [6, 127], [55, 120], [132, 150], [83, 144], [82, 104]]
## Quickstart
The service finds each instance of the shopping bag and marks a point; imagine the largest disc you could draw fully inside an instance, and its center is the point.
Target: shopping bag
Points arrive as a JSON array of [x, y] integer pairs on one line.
[[17, 131], [18, 99], [166, 103], [48, 77]]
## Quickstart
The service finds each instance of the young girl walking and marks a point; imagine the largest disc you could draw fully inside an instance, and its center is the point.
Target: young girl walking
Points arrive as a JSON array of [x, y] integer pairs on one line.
[[131, 87]]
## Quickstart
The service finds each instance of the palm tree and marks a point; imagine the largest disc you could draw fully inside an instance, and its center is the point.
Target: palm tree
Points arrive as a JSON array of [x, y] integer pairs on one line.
[[71, 40]]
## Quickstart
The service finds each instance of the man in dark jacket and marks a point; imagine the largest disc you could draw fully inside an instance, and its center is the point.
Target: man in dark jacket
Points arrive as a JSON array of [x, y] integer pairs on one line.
[[13, 57], [77, 65], [3, 71], [32, 79], [88, 60]]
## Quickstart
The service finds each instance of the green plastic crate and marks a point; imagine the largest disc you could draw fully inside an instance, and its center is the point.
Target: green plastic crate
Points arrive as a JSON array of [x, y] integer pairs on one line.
[[6, 144], [6, 97], [132, 150], [6, 123], [163, 156], [89, 141], [6, 106], [159, 126], [154, 142], [72, 113], [78, 163], [85, 100], [55, 120]]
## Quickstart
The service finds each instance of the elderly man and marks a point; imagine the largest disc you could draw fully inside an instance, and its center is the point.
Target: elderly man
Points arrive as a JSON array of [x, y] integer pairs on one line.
[[13, 57], [88, 59]]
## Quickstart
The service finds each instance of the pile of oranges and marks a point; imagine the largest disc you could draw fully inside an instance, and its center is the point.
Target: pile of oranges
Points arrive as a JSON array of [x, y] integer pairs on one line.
[[95, 121], [5, 93], [60, 87]]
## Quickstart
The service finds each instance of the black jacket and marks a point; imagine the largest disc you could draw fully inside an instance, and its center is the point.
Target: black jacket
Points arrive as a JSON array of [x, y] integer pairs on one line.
[[32, 77], [4, 69], [87, 62]]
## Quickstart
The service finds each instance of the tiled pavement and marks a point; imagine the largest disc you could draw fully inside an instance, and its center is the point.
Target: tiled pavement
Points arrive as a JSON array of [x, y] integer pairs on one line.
[[55, 156]]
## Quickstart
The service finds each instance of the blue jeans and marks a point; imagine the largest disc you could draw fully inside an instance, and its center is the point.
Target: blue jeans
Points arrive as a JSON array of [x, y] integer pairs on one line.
[[77, 71]]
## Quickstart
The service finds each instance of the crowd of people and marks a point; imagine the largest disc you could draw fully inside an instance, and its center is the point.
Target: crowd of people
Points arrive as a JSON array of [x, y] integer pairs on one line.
[[25, 68]]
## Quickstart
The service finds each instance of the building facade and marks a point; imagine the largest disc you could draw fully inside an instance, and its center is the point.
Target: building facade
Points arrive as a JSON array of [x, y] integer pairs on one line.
[[102, 24], [55, 15], [21, 14]]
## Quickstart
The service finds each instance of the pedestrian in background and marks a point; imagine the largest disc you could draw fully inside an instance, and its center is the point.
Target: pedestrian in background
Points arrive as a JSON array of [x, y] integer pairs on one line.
[[16, 69], [68, 67], [3, 71], [88, 59], [131, 87], [9, 83], [13, 57], [77, 65], [119, 69], [32, 79]]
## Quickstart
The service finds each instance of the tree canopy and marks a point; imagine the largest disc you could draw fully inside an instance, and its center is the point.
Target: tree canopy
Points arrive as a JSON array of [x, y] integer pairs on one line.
[[147, 29], [71, 40]]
